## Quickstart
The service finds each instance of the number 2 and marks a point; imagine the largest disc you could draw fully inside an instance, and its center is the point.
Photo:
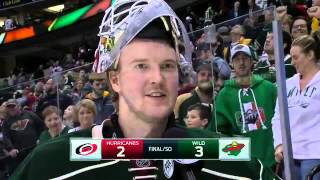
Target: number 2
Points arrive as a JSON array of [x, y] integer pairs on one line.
[[121, 152], [199, 150]]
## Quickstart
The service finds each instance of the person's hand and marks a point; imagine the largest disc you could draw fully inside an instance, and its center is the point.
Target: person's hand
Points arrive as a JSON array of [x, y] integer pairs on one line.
[[281, 12], [279, 153], [314, 11], [13, 153]]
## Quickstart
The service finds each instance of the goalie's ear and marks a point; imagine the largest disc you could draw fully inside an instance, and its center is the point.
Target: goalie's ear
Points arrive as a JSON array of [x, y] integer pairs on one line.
[[113, 77]]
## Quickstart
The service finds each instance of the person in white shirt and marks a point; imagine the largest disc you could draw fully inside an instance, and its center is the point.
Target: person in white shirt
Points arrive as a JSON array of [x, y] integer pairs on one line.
[[8, 24], [303, 93]]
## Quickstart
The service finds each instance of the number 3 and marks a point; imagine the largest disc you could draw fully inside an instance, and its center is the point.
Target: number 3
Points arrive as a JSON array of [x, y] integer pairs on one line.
[[199, 150], [121, 153]]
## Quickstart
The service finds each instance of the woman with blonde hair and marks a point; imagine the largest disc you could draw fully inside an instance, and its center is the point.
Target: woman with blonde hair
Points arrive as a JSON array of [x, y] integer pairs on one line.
[[86, 113], [303, 104]]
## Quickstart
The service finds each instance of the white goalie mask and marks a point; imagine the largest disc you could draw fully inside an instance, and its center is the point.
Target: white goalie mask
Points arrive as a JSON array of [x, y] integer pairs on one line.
[[125, 19]]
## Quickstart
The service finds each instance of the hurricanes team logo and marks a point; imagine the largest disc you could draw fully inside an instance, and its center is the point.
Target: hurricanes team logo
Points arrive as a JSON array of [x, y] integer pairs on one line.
[[86, 149], [233, 149]]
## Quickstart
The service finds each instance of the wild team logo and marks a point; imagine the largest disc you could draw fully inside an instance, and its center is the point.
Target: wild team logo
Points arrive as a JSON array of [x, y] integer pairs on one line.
[[233, 149], [19, 125], [86, 149]]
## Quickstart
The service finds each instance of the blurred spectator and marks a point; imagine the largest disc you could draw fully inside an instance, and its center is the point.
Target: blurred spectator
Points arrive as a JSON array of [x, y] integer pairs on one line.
[[237, 37], [83, 54], [245, 106], [56, 71], [82, 75], [21, 77], [50, 98], [268, 16], [266, 64], [52, 120], [20, 132], [4, 155], [203, 93], [253, 25], [198, 116], [286, 22], [9, 24], [100, 97], [39, 72], [68, 61], [39, 89], [252, 7], [79, 92], [12, 79], [30, 98], [224, 32], [205, 55], [86, 114], [235, 12], [68, 86], [38, 94], [209, 15], [299, 27], [70, 117], [237, 32], [192, 17]]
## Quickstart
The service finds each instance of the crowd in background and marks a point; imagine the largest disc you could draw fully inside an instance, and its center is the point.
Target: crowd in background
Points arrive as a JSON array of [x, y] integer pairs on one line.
[[64, 96], [27, 18]]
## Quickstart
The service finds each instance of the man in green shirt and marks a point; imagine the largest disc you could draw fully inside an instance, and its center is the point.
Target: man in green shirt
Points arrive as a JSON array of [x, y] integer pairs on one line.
[[245, 106]]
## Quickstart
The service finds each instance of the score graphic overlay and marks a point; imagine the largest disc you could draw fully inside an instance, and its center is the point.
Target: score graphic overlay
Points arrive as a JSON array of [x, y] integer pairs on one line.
[[202, 149], [159, 149]]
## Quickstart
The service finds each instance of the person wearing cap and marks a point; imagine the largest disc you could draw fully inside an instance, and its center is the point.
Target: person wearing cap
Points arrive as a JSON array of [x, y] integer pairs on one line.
[[202, 93], [142, 69], [213, 53], [245, 106], [100, 97], [21, 131]]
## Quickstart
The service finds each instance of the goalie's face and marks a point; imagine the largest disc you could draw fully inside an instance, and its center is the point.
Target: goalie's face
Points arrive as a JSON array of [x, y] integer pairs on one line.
[[147, 80]]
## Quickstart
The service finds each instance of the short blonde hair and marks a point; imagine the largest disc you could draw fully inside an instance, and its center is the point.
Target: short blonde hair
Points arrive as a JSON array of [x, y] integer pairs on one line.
[[309, 43], [87, 103]]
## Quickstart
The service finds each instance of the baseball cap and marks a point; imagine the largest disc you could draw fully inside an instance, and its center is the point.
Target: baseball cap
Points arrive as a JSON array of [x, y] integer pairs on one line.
[[219, 67], [240, 48], [204, 66]]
